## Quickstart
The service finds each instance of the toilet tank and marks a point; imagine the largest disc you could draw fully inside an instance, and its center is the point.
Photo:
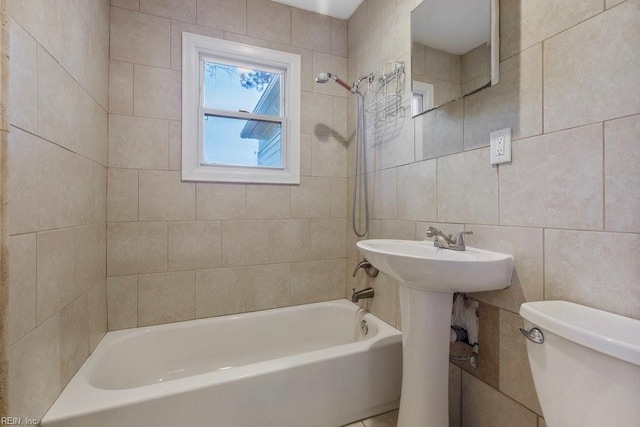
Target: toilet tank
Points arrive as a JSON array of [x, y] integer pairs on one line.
[[587, 371]]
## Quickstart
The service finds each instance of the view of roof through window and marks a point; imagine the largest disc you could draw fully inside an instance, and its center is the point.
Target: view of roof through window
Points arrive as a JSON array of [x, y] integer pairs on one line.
[[240, 141]]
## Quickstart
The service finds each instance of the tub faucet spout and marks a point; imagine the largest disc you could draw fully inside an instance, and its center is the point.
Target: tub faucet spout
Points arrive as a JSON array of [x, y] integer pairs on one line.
[[365, 293]]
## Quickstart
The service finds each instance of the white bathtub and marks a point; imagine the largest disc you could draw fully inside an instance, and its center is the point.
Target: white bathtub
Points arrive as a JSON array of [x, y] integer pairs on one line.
[[307, 365]]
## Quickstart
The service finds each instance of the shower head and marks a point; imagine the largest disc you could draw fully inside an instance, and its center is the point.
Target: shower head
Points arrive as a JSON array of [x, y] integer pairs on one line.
[[325, 77]]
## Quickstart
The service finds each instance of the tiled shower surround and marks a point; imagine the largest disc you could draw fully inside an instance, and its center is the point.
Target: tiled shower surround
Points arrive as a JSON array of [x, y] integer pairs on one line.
[[183, 250], [102, 234], [54, 199]]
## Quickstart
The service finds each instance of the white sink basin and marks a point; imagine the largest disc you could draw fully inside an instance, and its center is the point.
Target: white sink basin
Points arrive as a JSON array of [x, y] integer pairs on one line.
[[420, 265], [428, 277]]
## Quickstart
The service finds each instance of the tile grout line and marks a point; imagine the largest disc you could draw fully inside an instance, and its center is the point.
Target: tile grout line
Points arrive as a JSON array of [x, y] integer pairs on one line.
[[604, 10], [137, 301], [604, 177], [42, 138], [35, 320], [542, 43], [544, 264]]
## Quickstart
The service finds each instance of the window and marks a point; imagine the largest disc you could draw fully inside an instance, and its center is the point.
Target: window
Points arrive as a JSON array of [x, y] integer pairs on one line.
[[240, 112], [422, 97]]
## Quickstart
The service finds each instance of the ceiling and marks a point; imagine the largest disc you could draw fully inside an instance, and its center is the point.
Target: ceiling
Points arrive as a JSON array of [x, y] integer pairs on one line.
[[337, 8], [454, 26]]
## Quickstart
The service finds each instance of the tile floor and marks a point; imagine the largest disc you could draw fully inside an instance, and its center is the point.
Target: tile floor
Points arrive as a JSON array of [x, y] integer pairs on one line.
[[390, 419]]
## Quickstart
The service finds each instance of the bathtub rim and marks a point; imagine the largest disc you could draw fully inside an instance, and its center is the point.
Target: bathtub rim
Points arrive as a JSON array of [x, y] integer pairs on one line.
[[80, 397]]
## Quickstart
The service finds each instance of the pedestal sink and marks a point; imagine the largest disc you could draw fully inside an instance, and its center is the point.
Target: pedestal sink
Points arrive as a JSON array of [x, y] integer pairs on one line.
[[428, 278]]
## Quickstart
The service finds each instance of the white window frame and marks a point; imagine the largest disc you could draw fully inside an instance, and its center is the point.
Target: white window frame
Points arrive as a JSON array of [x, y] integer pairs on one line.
[[195, 47], [422, 97]]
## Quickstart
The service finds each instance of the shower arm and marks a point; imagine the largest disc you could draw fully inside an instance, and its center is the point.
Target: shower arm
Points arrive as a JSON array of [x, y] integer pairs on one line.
[[343, 84]]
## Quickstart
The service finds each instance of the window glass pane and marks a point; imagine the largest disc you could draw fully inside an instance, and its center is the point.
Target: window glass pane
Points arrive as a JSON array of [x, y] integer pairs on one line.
[[238, 142], [239, 89]]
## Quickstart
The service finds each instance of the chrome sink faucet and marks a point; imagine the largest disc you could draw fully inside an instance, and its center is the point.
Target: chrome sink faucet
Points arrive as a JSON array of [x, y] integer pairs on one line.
[[446, 241]]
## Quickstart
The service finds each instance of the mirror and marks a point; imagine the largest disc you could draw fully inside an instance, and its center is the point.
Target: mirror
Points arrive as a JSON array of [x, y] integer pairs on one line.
[[454, 51]]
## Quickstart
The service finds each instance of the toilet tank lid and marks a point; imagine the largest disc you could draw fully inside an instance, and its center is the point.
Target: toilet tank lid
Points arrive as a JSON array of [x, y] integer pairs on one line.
[[608, 333]]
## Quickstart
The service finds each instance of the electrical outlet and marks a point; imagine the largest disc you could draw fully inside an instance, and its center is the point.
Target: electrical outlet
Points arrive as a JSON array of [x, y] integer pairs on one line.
[[500, 146], [500, 149]]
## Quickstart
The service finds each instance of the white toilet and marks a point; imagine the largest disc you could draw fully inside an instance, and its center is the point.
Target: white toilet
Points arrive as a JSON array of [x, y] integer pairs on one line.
[[587, 369]]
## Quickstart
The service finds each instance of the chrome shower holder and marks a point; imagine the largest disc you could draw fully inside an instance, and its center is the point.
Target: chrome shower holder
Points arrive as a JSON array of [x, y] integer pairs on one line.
[[385, 88]]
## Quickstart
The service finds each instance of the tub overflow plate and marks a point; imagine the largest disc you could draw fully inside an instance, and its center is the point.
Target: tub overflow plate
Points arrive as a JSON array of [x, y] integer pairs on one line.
[[364, 327]]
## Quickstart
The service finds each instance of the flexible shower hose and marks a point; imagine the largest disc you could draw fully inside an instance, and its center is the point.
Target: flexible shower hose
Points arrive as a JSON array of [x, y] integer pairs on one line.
[[360, 148]]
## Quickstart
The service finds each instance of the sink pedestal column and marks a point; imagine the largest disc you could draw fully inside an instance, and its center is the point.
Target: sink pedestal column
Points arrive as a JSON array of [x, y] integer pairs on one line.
[[426, 323]]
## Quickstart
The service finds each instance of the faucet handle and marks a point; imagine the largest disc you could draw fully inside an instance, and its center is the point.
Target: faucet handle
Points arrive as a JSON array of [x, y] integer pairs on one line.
[[432, 232], [459, 238]]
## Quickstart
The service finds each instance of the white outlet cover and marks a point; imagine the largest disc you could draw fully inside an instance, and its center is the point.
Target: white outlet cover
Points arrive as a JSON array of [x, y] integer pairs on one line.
[[500, 142]]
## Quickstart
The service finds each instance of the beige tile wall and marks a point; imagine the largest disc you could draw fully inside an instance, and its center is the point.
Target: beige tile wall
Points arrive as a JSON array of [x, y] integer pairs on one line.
[[439, 68], [56, 193], [566, 207], [180, 250], [451, 75], [4, 135], [475, 68]]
